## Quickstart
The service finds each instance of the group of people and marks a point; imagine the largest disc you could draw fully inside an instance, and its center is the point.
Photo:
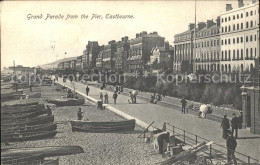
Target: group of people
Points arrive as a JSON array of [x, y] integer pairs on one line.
[[231, 142], [155, 98], [104, 98], [132, 96]]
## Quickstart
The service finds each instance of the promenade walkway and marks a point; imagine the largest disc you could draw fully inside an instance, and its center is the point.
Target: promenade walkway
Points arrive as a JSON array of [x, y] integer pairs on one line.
[[248, 143]]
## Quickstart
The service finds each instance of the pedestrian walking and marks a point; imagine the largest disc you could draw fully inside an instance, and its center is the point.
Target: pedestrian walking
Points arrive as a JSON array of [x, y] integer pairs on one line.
[[87, 90], [225, 127], [135, 93], [80, 114], [115, 97], [106, 98], [234, 124], [231, 147], [101, 96], [183, 102]]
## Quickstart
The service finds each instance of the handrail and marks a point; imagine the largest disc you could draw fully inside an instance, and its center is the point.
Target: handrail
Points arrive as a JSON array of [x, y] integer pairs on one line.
[[196, 141]]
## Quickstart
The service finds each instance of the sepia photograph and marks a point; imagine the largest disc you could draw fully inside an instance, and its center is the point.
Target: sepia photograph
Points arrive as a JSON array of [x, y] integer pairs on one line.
[[164, 82]]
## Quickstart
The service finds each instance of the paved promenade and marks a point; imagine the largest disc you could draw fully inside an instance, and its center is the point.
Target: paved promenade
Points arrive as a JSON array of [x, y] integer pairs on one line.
[[248, 143]]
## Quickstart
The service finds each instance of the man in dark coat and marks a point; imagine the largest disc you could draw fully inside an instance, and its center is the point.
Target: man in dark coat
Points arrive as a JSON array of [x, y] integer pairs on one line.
[[234, 124], [87, 90], [231, 147], [115, 97], [80, 114], [183, 102], [225, 127]]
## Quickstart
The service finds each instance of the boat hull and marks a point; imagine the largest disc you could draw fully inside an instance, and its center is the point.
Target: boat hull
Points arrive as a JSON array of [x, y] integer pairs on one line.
[[24, 115], [97, 127], [36, 128], [26, 159], [34, 121], [45, 151], [23, 109], [17, 137], [67, 102]]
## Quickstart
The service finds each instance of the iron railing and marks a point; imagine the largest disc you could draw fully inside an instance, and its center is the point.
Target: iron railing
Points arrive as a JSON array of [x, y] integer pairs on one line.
[[215, 150]]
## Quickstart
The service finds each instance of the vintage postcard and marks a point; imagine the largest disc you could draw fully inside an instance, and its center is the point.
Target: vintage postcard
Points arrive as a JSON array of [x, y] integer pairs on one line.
[[130, 82]]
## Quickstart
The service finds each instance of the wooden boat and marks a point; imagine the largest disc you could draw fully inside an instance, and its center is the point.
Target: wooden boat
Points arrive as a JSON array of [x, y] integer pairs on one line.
[[16, 137], [25, 109], [45, 151], [67, 102], [19, 105], [35, 128], [112, 126], [5, 117], [23, 122], [11, 96], [26, 160]]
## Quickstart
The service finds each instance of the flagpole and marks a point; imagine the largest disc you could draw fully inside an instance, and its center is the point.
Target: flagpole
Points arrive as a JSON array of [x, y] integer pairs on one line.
[[195, 36]]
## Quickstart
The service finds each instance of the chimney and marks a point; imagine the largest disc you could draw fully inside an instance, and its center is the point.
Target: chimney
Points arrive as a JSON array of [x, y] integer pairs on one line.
[[191, 26], [122, 39], [144, 33], [228, 7], [167, 45], [253, 1], [210, 23], [218, 21], [201, 25], [240, 3], [137, 35]]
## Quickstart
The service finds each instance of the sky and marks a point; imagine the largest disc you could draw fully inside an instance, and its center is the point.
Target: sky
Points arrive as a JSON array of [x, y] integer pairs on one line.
[[33, 42]]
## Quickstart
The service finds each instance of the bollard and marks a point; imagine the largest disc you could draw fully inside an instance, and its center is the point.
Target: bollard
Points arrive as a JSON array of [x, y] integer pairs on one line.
[[248, 160], [196, 139]]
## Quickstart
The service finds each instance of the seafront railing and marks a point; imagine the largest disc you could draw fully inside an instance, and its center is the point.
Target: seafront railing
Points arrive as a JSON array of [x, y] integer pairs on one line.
[[215, 151]]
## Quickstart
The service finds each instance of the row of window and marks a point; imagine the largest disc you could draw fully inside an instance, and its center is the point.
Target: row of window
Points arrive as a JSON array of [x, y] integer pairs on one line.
[[237, 54], [238, 40], [207, 43], [227, 54], [207, 33], [226, 68], [238, 16], [236, 27]]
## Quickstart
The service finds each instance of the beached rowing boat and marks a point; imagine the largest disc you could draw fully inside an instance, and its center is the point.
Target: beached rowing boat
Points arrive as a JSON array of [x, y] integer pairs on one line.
[[5, 117], [67, 102], [36, 159], [34, 128], [23, 109], [111, 126], [23, 122], [19, 105], [16, 137], [45, 151], [26, 159]]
